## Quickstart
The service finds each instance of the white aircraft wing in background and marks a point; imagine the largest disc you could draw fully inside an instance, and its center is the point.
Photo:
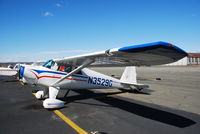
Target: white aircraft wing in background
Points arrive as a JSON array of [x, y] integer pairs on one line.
[[156, 53]]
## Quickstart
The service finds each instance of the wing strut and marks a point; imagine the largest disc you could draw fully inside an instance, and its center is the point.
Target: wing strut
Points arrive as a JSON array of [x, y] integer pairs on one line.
[[86, 63]]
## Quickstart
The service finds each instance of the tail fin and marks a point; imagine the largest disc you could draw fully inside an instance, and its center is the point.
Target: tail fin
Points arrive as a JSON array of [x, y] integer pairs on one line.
[[129, 76]]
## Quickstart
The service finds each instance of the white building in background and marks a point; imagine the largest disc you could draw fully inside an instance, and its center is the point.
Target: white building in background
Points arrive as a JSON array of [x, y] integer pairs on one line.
[[194, 59], [191, 59]]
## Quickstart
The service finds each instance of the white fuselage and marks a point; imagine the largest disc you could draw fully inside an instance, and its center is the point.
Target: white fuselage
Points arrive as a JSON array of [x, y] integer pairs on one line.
[[87, 79]]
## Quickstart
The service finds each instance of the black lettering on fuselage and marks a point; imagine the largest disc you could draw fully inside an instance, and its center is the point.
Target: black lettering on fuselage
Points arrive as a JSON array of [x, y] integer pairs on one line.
[[100, 81]]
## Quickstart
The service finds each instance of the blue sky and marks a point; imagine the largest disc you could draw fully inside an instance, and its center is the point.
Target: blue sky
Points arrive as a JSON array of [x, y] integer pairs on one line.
[[32, 30]]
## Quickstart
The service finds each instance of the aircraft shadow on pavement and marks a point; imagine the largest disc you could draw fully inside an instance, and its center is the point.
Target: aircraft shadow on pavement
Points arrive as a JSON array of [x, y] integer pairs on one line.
[[14, 80], [133, 107], [143, 91], [8, 79]]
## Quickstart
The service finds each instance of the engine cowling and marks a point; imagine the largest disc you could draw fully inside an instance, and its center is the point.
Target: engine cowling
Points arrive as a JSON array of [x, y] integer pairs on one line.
[[26, 75]]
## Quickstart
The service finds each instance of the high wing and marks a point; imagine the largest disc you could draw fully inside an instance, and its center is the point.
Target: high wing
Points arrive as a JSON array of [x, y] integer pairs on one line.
[[156, 53]]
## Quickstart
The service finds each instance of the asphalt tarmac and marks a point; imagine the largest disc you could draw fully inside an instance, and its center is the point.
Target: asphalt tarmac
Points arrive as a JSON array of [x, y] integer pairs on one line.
[[171, 105]]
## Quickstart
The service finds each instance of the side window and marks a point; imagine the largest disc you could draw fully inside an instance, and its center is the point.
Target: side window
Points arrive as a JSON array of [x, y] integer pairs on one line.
[[61, 68], [67, 69], [80, 72]]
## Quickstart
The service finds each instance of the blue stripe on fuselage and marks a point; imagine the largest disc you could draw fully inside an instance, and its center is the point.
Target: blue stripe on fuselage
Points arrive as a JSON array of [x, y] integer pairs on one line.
[[53, 72]]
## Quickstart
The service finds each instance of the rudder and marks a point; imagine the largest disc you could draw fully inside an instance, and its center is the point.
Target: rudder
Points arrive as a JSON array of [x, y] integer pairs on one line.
[[129, 75]]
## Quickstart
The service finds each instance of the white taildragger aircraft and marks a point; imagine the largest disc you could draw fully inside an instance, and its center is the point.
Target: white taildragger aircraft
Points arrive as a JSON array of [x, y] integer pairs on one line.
[[9, 71], [71, 73]]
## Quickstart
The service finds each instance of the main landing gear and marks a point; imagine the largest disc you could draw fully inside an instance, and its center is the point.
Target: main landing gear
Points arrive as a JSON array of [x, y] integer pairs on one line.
[[50, 102]]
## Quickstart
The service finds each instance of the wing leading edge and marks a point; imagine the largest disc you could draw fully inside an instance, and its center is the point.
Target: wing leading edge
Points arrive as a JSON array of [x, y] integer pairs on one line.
[[156, 53]]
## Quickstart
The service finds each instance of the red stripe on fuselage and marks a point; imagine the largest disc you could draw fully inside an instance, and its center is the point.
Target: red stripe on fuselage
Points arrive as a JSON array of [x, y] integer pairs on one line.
[[35, 74], [39, 77], [59, 78]]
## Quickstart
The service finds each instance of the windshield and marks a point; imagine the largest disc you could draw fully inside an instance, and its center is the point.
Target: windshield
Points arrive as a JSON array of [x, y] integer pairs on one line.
[[17, 66], [49, 64]]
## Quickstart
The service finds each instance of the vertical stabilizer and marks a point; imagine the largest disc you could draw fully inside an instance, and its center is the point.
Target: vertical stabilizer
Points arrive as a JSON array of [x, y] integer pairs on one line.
[[129, 75]]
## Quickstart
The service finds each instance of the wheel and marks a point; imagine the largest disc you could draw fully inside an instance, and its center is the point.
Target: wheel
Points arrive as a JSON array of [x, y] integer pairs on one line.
[[35, 91], [40, 95], [53, 104], [139, 89]]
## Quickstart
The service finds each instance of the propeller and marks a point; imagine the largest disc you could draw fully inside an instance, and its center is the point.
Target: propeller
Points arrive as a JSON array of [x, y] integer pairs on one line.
[[21, 72]]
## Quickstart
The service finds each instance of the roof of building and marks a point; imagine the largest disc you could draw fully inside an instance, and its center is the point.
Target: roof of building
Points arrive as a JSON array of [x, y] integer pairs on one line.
[[194, 55]]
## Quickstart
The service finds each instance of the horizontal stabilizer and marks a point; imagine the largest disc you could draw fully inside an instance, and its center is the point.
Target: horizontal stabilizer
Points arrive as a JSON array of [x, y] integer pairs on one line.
[[139, 86]]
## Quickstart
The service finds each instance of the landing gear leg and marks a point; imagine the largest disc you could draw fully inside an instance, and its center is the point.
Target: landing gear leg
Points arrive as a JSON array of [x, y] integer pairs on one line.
[[52, 102]]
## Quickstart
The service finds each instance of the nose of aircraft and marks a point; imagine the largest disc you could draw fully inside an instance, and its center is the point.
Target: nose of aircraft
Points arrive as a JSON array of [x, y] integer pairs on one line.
[[26, 76]]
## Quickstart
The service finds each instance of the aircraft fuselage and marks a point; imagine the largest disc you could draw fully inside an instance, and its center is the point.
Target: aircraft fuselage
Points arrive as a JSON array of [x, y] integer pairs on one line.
[[87, 79]]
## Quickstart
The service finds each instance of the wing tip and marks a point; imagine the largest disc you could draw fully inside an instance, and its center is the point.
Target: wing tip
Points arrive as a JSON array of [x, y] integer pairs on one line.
[[148, 46]]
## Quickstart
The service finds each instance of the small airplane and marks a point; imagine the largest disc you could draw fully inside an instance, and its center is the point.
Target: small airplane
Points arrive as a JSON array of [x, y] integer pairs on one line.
[[71, 73], [13, 70], [9, 71]]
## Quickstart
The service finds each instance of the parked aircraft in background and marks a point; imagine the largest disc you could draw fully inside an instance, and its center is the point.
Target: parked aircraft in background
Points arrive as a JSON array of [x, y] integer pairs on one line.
[[9, 71], [70, 73]]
